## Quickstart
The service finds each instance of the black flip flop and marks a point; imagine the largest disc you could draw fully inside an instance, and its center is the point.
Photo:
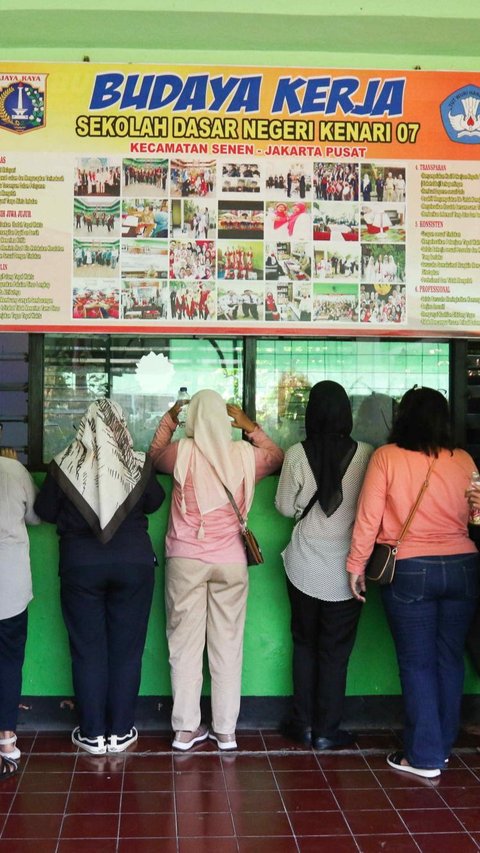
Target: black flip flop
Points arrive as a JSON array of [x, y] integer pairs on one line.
[[8, 768]]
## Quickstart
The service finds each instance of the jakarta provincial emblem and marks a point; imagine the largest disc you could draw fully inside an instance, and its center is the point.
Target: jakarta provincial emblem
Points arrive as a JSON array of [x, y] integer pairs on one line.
[[22, 102], [461, 115]]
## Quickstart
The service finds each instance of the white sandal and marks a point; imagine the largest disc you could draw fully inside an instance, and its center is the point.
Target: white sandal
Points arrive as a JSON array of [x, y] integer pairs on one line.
[[15, 754]]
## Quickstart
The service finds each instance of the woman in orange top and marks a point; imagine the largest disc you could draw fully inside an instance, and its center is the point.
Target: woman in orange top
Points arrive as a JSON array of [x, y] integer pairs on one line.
[[433, 597]]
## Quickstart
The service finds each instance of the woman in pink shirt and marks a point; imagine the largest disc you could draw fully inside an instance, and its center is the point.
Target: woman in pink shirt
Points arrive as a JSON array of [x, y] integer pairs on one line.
[[432, 599], [206, 571]]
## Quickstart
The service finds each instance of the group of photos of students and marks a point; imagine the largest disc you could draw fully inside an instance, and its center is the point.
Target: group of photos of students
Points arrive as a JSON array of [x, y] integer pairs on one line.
[[290, 240]]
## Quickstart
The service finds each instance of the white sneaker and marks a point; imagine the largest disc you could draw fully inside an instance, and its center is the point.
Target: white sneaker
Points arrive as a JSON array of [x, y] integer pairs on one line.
[[94, 745], [395, 761], [117, 743], [185, 740], [224, 741]]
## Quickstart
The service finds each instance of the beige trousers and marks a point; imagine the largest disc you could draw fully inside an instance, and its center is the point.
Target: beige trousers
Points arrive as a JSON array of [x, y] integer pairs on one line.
[[205, 601]]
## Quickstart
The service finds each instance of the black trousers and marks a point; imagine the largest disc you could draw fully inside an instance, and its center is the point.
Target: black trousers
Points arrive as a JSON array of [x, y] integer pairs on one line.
[[323, 635], [13, 636], [106, 610]]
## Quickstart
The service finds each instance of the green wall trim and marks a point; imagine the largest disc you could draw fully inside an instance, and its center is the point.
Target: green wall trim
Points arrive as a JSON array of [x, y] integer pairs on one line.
[[207, 32]]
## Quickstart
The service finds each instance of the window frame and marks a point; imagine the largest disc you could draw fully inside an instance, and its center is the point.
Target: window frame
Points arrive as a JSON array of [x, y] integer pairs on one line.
[[457, 390]]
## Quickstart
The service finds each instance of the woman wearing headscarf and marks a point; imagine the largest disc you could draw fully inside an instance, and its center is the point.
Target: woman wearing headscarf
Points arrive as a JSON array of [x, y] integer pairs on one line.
[[206, 571], [319, 486], [98, 491]]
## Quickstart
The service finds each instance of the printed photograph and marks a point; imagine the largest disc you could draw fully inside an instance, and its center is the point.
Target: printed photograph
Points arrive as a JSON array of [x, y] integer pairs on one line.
[[284, 179], [97, 176], [335, 181], [193, 219], [335, 303], [96, 260], [240, 178], [288, 301], [382, 223], [192, 259], [288, 261], [144, 299], [192, 301], [337, 261], [95, 302], [144, 259], [143, 217], [335, 221], [383, 183], [193, 177], [144, 177], [272, 304], [240, 219], [383, 264], [288, 220], [96, 218], [237, 301], [237, 260], [382, 303]]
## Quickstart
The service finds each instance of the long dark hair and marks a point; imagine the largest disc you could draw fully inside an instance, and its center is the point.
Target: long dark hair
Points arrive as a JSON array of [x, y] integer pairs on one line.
[[422, 422]]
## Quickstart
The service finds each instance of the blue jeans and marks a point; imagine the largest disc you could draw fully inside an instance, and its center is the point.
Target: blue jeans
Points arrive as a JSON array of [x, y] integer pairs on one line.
[[429, 607]]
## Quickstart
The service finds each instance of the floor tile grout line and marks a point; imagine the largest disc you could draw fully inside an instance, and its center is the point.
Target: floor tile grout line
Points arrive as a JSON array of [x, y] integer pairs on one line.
[[430, 787], [174, 790], [292, 830], [227, 791], [117, 843], [65, 807], [448, 806]]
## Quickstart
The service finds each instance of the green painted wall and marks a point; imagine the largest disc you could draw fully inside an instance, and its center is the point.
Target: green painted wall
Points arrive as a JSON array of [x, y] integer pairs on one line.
[[267, 651], [435, 34]]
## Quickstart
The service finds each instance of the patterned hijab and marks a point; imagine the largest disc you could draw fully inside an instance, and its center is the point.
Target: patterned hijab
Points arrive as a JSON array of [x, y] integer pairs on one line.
[[99, 471], [328, 446], [212, 457]]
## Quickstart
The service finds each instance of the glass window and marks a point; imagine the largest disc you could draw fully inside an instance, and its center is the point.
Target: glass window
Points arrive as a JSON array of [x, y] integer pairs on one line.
[[143, 374], [375, 375]]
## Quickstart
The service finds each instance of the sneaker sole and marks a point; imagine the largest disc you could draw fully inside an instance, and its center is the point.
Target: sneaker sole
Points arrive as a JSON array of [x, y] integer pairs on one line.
[[414, 771], [178, 744], [231, 744]]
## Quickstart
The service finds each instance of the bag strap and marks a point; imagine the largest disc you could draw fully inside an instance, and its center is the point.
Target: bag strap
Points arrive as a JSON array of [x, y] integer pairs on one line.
[[308, 506], [415, 506], [242, 520]]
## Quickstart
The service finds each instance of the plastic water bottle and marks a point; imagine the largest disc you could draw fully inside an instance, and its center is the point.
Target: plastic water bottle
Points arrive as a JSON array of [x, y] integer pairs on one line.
[[184, 398], [474, 517]]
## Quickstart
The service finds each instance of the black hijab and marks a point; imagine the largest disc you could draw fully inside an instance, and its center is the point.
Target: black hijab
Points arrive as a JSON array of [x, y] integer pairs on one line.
[[328, 446]]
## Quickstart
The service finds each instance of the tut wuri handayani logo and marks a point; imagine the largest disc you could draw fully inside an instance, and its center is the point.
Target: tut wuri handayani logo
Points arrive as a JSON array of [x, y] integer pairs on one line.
[[22, 102], [460, 113]]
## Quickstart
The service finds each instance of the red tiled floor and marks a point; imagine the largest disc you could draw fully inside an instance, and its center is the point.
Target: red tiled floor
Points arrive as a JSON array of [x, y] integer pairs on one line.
[[392, 843], [270, 796], [446, 843], [374, 822]]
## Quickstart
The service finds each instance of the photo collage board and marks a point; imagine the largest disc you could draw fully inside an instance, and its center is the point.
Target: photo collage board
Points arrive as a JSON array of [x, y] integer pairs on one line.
[[243, 241]]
